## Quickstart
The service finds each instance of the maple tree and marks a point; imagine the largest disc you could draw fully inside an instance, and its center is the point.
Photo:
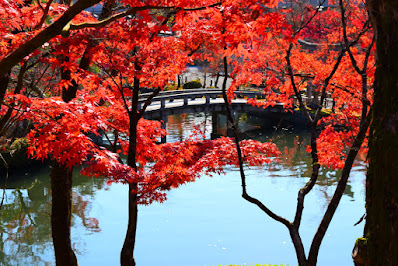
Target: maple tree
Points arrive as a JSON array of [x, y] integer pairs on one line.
[[334, 73], [141, 73], [96, 70], [293, 55], [87, 73]]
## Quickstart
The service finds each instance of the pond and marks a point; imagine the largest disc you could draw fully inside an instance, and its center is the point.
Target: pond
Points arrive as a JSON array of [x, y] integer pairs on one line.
[[203, 223]]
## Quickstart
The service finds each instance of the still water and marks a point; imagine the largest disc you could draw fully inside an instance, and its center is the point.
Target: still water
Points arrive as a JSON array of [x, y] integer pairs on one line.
[[202, 223]]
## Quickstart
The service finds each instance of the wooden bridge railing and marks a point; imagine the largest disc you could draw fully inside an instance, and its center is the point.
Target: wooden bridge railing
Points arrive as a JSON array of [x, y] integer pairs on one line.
[[192, 94]]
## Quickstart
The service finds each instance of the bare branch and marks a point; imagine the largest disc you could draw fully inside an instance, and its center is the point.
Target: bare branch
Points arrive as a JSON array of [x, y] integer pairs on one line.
[[323, 226], [148, 101], [45, 13], [309, 20], [298, 95], [17, 90], [240, 156], [326, 84]]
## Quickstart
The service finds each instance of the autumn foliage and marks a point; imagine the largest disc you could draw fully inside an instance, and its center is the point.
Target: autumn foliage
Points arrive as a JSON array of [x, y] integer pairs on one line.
[[124, 50], [321, 62], [61, 129]]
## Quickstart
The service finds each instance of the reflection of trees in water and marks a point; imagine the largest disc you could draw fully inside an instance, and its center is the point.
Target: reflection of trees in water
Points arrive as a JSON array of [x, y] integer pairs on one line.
[[295, 159], [81, 206], [25, 228], [176, 125], [25, 219], [292, 143], [182, 125]]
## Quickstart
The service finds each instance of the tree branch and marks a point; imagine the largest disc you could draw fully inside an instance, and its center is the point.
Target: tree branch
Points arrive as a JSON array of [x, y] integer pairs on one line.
[[17, 90], [45, 35], [323, 226], [132, 11], [326, 84], [240, 156], [148, 101], [45, 13], [298, 95], [309, 20]]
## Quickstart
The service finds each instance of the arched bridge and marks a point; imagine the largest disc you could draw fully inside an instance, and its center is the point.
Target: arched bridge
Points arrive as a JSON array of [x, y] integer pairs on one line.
[[198, 100]]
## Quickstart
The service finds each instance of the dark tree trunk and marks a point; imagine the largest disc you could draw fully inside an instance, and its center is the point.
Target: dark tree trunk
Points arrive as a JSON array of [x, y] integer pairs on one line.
[[178, 81], [61, 214], [204, 79], [61, 183], [127, 253], [216, 81], [4, 80], [381, 230], [61, 187]]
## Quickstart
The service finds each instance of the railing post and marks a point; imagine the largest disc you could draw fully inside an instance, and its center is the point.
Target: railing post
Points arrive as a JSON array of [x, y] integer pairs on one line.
[[162, 103], [186, 100], [207, 99]]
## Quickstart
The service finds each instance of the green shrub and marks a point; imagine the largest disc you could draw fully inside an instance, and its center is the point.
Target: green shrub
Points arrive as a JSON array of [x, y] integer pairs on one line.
[[170, 87], [194, 84]]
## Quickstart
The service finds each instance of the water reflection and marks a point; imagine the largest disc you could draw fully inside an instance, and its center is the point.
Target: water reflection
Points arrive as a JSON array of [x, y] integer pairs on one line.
[[292, 143], [207, 221], [25, 217]]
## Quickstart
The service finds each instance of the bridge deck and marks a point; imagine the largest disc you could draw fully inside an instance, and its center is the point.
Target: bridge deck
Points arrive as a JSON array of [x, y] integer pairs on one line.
[[199, 100]]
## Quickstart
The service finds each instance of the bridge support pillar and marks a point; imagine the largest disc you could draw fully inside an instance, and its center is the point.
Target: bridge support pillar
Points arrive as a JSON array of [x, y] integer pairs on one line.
[[164, 121], [215, 124]]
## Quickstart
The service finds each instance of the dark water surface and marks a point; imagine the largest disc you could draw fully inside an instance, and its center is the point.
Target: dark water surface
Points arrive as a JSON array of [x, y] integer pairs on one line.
[[202, 223]]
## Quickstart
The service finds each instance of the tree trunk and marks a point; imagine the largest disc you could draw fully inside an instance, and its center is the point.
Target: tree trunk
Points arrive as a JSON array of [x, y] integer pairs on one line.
[[204, 80], [61, 184], [61, 187], [61, 214], [381, 230], [4, 80], [178, 81], [216, 82], [127, 253]]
